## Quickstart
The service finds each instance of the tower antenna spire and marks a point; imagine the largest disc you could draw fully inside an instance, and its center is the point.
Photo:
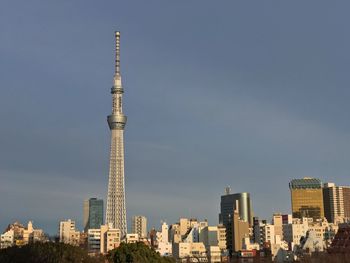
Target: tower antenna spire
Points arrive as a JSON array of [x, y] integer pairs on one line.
[[116, 209], [117, 53]]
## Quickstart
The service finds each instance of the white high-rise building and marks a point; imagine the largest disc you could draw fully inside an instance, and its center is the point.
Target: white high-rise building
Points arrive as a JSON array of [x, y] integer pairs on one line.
[[139, 226], [116, 210], [164, 246]]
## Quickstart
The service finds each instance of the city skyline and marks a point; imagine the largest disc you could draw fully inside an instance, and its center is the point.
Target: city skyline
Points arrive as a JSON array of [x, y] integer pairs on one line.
[[215, 99]]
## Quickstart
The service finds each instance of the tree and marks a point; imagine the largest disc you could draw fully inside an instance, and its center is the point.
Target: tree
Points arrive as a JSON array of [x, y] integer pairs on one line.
[[46, 253], [136, 253]]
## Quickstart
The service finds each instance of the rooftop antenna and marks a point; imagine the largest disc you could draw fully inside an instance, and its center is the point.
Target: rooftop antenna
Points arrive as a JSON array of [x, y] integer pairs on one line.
[[227, 190]]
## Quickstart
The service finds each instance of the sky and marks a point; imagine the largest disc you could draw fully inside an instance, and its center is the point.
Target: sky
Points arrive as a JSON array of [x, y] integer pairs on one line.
[[249, 94]]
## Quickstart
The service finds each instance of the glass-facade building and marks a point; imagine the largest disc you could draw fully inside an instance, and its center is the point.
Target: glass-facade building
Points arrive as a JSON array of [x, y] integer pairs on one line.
[[229, 203], [93, 213], [307, 198]]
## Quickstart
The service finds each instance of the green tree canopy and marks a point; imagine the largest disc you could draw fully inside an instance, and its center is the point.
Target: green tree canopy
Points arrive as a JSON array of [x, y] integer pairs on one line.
[[46, 253], [136, 253]]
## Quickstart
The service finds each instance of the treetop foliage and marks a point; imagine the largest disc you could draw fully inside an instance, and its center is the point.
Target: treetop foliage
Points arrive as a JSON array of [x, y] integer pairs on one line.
[[136, 253]]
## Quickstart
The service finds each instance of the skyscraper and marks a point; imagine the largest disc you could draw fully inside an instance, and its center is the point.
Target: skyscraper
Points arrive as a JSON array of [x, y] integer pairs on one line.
[[236, 214], [336, 201], [116, 211], [139, 226], [228, 206], [93, 213], [307, 198]]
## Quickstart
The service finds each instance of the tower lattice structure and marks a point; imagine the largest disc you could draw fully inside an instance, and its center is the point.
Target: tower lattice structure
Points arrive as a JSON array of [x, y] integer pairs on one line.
[[116, 210]]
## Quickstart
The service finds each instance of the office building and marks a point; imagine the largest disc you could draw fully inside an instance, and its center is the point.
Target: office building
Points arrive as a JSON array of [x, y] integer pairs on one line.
[[336, 202], [235, 205], [307, 198], [228, 206], [93, 213], [139, 226], [116, 210]]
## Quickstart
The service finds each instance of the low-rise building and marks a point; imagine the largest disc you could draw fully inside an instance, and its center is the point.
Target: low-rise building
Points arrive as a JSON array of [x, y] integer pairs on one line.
[[17, 234], [214, 254], [132, 238], [7, 239], [293, 232], [192, 252]]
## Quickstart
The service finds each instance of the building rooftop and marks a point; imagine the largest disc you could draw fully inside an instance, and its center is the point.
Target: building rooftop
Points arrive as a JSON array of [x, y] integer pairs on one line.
[[305, 183]]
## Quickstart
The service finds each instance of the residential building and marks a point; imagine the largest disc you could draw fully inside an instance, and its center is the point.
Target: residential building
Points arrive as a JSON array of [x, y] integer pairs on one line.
[[222, 237], [264, 233], [93, 213], [18, 230], [277, 221], [132, 238], [175, 233], [110, 238], [346, 196], [213, 236], [164, 246], [94, 240], [307, 198], [280, 250], [31, 235], [190, 252], [68, 234], [139, 226], [17, 234], [293, 232], [103, 239], [7, 239], [249, 246], [214, 254], [336, 202], [311, 243]]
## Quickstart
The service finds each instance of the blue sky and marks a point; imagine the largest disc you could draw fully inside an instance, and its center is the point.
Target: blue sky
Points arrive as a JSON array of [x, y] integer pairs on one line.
[[249, 94]]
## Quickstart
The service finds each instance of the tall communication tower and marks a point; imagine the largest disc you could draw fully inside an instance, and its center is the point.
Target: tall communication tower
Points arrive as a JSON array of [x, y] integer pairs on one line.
[[115, 210]]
